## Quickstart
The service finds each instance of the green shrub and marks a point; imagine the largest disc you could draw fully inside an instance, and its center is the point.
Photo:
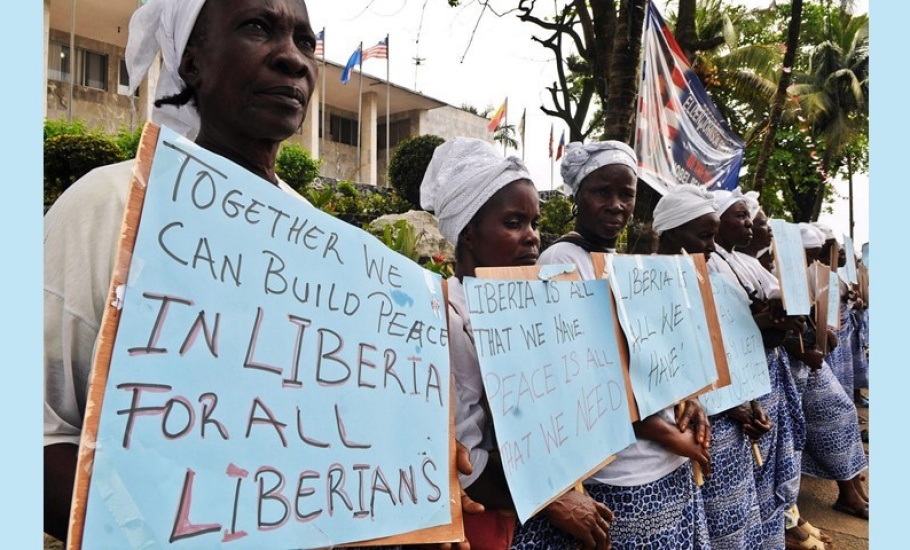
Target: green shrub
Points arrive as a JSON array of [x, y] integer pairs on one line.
[[408, 164], [296, 167], [128, 141], [68, 157], [556, 215], [53, 128]]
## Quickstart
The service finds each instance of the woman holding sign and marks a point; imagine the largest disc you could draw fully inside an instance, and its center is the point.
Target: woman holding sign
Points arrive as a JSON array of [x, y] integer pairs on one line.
[[777, 480], [649, 486], [685, 220], [834, 448], [489, 208]]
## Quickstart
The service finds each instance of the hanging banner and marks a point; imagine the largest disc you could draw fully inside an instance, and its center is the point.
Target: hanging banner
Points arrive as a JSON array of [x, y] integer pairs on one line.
[[680, 137]]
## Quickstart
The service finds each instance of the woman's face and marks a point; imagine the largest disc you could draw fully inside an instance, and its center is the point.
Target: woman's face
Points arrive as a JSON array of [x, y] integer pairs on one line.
[[503, 233], [605, 200], [735, 226], [761, 232], [253, 69], [696, 236]]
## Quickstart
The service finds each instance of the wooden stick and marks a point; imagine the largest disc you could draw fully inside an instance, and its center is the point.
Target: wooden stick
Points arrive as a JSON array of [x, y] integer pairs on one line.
[[696, 467], [756, 453]]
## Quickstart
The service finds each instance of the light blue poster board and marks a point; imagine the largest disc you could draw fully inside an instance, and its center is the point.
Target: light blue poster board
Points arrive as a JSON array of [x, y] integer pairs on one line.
[[279, 379], [850, 267], [743, 347], [662, 316], [865, 253], [833, 299], [553, 380], [790, 266]]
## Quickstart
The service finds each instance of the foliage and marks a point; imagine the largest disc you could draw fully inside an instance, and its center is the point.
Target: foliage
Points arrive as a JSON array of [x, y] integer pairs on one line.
[[296, 167], [409, 163], [128, 141], [556, 215], [54, 128], [68, 157], [346, 201], [505, 135], [401, 237]]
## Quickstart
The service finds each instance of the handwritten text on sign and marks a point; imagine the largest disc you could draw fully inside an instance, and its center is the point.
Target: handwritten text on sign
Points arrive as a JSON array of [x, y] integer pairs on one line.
[[663, 318], [744, 349], [790, 259], [279, 378], [553, 381]]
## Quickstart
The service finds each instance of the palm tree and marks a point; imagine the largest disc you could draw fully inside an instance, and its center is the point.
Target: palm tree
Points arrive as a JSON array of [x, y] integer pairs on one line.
[[505, 135], [834, 91]]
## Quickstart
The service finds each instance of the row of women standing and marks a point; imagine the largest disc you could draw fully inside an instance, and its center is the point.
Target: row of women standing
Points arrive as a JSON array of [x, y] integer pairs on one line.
[[646, 498]]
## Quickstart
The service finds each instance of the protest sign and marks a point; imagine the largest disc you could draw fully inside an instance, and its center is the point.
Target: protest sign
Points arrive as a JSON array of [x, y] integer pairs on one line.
[[743, 345], [790, 265], [661, 308], [833, 300], [266, 375], [553, 380], [850, 265]]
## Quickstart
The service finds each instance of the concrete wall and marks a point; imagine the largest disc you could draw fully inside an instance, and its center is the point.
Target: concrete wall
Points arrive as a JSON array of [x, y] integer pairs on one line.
[[448, 122], [106, 109]]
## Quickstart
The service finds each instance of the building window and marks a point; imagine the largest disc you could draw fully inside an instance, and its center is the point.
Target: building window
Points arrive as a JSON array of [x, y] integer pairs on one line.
[[123, 80], [343, 130], [397, 132], [91, 67]]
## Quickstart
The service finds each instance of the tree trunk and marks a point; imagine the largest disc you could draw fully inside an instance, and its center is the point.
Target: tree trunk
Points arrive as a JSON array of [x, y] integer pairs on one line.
[[622, 91], [780, 97]]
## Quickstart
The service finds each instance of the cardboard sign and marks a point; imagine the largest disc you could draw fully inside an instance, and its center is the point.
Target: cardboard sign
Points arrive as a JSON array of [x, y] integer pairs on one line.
[[790, 266], [268, 376], [553, 380], [662, 313], [850, 265], [744, 349], [834, 303]]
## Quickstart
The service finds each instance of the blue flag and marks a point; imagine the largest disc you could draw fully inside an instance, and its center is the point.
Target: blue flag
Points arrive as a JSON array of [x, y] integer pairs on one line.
[[352, 62]]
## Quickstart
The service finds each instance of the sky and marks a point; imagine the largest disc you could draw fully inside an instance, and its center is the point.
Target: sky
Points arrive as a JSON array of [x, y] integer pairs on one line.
[[479, 61]]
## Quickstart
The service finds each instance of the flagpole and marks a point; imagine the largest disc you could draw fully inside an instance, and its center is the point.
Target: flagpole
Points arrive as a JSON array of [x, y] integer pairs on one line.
[[524, 114], [388, 100], [505, 126], [322, 114], [359, 116]]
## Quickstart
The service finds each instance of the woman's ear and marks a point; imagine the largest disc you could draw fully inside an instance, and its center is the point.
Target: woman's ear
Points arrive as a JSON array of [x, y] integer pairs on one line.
[[188, 68], [466, 239]]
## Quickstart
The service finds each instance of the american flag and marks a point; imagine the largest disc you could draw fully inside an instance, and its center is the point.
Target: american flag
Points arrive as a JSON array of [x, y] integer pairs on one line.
[[320, 44], [379, 51]]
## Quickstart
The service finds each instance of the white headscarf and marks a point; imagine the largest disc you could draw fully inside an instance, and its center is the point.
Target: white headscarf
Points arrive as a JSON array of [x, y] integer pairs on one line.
[[462, 176], [165, 26], [826, 231], [682, 204], [582, 159], [812, 236], [725, 199], [752, 203]]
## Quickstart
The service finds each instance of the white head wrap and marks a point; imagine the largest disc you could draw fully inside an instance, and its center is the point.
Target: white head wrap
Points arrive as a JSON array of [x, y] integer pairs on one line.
[[682, 204], [725, 199], [165, 26], [582, 159], [462, 176], [826, 231], [811, 235], [752, 203]]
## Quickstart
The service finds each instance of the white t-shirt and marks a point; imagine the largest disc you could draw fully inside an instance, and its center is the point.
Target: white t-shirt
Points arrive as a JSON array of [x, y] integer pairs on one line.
[[81, 234], [643, 461]]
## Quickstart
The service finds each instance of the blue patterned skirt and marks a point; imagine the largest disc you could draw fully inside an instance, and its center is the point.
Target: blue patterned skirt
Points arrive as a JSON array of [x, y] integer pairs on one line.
[[667, 514], [841, 359], [834, 449], [777, 481], [858, 344], [731, 501]]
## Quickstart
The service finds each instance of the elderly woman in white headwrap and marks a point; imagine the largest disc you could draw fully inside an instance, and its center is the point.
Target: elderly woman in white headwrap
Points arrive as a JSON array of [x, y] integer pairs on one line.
[[240, 96], [833, 448], [488, 208], [649, 486], [686, 221]]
